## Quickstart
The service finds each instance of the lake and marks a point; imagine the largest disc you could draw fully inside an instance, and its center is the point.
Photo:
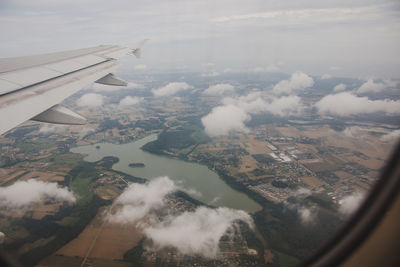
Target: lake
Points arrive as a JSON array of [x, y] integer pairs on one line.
[[200, 182]]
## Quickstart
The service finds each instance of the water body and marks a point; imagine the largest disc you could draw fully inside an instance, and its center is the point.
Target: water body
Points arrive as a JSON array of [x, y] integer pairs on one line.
[[200, 182]]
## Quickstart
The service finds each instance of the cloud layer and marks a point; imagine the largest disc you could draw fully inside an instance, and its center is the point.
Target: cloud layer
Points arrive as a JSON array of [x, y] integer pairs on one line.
[[171, 89], [224, 119], [218, 89], [191, 233], [234, 112], [347, 104], [25, 193], [130, 101], [139, 199], [350, 203], [371, 87], [198, 232], [90, 100], [297, 81]]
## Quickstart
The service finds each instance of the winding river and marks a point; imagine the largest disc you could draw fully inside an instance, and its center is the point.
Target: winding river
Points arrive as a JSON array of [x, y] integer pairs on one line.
[[199, 182]]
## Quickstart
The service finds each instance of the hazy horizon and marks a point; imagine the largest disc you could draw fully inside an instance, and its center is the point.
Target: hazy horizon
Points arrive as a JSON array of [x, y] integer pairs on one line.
[[358, 39]]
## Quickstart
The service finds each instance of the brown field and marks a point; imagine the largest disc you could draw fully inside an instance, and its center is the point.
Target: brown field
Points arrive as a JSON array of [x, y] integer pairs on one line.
[[343, 175], [113, 240], [248, 163], [289, 131], [312, 181], [64, 261], [41, 210], [308, 146], [369, 163], [9, 174], [44, 176], [367, 144], [320, 166], [256, 147], [107, 192]]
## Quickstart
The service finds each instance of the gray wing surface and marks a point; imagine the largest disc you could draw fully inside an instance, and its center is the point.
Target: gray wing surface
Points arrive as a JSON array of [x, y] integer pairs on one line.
[[32, 87]]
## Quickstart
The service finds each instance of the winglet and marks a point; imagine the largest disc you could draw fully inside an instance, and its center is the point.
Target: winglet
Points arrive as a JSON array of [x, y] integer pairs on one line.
[[136, 50], [60, 115]]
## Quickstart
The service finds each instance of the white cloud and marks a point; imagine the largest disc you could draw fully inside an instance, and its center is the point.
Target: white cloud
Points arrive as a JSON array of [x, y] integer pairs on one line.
[[350, 203], [299, 16], [90, 100], [353, 131], [130, 101], [171, 89], [297, 81], [346, 104], [218, 89], [334, 68], [392, 136], [24, 193], [340, 87], [326, 76], [140, 67], [210, 74], [306, 215], [371, 86], [209, 65], [191, 233], [139, 199], [196, 233], [221, 120], [236, 111], [254, 104]]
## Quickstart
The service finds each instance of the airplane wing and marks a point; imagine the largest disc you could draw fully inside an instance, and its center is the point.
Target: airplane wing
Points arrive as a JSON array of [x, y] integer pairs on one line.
[[32, 87]]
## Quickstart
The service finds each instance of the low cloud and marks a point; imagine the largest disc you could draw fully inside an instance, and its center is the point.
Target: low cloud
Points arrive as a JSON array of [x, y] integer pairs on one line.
[[221, 120], [90, 100], [196, 233], [210, 74], [350, 203], [130, 101], [191, 233], [392, 136], [209, 65], [371, 87], [255, 104], [273, 67], [340, 87], [353, 131], [236, 111], [326, 76], [140, 67], [171, 89], [139, 199], [218, 89], [347, 104], [25, 193], [297, 81], [307, 215]]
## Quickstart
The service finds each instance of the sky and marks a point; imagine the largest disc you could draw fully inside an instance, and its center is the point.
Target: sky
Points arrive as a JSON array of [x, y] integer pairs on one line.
[[340, 38]]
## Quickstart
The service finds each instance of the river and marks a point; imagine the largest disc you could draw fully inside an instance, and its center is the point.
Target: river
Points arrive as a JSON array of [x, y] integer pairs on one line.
[[200, 182]]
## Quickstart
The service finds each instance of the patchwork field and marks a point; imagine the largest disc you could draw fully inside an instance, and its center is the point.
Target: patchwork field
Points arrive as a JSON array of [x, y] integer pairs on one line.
[[102, 240]]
